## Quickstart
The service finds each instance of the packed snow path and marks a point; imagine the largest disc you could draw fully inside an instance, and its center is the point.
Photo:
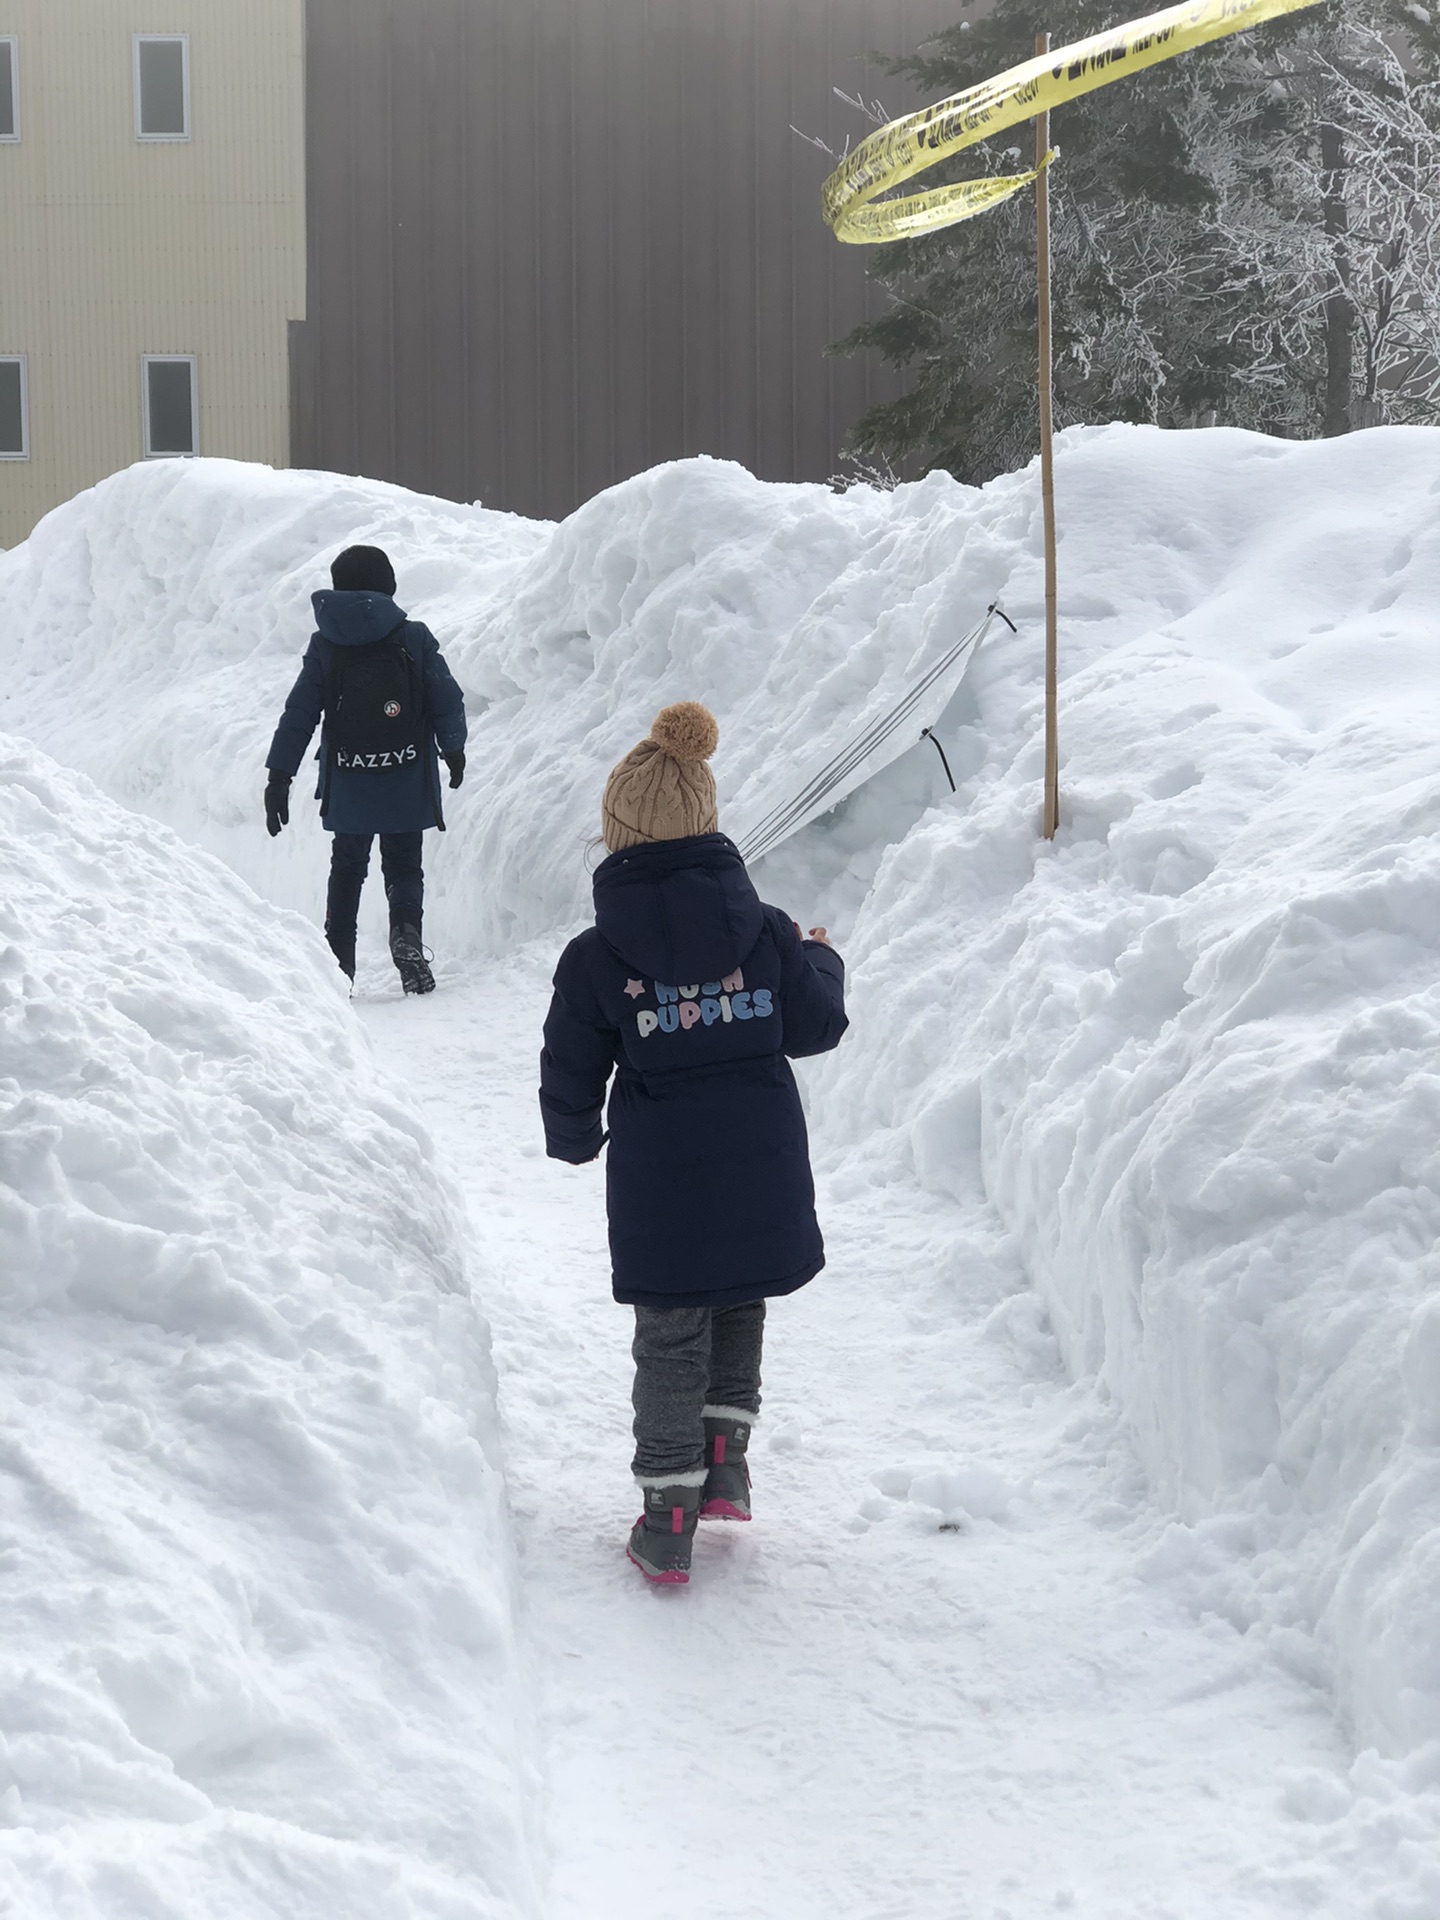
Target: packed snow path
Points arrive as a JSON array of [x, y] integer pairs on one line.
[[942, 1675]]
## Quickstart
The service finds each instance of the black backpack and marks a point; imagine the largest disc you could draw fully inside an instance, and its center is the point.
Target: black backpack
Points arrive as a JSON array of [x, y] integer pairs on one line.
[[374, 708]]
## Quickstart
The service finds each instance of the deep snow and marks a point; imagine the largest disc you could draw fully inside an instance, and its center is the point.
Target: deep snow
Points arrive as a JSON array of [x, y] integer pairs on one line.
[[259, 1651], [149, 633], [1198, 1044], [1188, 1054]]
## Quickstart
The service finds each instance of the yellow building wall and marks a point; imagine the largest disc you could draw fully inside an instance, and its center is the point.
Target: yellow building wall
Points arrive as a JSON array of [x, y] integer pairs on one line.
[[112, 248]]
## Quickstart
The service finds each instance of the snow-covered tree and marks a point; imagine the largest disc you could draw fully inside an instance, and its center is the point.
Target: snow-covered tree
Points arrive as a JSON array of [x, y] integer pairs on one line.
[[1246, 235], [1324, 154]]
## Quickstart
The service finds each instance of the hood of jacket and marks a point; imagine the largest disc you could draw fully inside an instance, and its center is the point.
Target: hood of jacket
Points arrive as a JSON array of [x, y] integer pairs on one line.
[[678, 910], [355, 619]]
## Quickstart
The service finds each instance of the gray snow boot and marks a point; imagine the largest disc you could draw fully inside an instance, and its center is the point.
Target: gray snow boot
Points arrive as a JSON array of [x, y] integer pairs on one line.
[[409, 957], [661, 1539], [726, 1493]]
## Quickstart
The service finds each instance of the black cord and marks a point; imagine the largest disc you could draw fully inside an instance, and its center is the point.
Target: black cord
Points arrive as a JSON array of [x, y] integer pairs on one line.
[[927, 734]]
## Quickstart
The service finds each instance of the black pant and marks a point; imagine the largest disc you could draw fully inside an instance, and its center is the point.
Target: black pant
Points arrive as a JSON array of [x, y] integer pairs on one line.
[[349, 864], [688, 1358]]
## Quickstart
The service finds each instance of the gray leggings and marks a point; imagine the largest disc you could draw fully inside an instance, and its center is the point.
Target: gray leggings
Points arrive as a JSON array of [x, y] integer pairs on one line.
[[688, 1358]]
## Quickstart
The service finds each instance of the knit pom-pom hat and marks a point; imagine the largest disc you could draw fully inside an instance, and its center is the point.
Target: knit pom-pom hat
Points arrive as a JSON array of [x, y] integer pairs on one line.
[[662, 789]]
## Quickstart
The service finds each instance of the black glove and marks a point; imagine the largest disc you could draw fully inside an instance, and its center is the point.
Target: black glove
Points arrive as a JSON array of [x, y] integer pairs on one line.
[[456, 764], [277, 803]]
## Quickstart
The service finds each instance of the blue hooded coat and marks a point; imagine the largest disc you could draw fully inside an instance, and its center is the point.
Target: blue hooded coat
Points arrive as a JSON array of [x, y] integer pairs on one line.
[[405, 799], [693, 994]]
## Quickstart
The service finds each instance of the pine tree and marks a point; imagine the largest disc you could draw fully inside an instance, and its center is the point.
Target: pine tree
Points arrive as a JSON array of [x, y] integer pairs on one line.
[[1225, 229]]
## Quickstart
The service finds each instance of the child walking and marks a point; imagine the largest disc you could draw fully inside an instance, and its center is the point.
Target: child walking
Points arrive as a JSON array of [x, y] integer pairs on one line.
[[376, 684], [696, 996]]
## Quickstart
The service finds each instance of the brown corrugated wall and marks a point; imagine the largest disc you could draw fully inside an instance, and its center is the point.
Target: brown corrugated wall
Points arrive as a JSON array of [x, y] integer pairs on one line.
[[553, 242]]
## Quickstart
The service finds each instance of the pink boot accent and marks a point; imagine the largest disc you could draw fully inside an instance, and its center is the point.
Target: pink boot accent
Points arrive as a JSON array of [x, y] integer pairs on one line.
[[675, 1579], [719, 1449], [677, 1519], [721, 1510]]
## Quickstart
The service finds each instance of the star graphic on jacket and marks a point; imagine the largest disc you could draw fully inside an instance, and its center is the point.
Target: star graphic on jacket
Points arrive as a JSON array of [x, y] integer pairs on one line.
[[634, 988]]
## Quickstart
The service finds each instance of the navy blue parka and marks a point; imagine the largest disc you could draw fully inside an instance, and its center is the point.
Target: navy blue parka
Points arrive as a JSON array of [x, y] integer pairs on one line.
[[405, 799], [696, 996]]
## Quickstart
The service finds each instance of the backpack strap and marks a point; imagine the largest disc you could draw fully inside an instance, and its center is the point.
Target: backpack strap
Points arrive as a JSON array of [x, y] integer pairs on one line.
[[326, 757], [417, 668], [430, 754]]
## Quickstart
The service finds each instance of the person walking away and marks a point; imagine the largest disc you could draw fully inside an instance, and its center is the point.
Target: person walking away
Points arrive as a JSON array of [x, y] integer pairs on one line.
[[389, 711], [696, 996]]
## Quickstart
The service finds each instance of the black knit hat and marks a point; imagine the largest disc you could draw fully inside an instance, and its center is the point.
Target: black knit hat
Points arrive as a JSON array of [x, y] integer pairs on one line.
[[362, 570]]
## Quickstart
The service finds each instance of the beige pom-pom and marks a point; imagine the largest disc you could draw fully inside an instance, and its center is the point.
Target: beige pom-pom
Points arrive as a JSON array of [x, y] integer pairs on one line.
[[686, 731]]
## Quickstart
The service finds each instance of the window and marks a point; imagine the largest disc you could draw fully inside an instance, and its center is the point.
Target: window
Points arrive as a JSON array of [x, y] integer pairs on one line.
[[9, 87], [170, 412], [14, 408], [162, 86]]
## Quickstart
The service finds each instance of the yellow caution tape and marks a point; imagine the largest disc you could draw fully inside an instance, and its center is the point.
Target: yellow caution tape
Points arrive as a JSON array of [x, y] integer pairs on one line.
[[916, 143]]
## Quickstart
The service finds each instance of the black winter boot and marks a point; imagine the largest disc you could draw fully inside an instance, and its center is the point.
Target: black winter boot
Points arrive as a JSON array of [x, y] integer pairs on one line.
[[409, 957], [661, 1539], [343, 947], [726, 1493]]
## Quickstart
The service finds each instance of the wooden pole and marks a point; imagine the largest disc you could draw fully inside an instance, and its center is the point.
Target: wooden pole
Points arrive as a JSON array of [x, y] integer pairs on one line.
[[1047, 465]]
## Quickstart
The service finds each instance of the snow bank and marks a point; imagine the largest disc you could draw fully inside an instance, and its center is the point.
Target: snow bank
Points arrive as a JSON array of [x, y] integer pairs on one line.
[[151, 628], [1197, 1043], [1193, 1047], [258, 1647]]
